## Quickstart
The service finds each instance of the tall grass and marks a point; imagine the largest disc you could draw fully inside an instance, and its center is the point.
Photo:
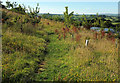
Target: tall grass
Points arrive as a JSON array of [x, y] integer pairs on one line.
[[23, 48], [73, 61], [21, 54]]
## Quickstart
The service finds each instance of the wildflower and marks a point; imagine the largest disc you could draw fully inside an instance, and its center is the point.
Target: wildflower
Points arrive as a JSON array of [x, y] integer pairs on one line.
[[114, 79], [77, 66]]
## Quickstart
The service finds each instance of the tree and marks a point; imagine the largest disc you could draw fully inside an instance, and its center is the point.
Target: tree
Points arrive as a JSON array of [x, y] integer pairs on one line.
[[15, 7], [1, 5], [8, 4], [14, 4], [68, 17], [86, 23], [101, 23], [107, 24], [117, 28], [34, 12]]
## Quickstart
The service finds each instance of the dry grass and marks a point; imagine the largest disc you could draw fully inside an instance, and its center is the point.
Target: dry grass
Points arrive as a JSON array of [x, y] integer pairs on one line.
[[97, 61]]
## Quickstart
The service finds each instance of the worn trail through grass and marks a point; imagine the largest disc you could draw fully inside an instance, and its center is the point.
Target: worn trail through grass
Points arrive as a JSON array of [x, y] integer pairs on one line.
[[68, 60]]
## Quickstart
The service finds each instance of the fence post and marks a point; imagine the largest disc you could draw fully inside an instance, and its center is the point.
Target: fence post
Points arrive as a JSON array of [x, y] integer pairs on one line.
[[86, 42]]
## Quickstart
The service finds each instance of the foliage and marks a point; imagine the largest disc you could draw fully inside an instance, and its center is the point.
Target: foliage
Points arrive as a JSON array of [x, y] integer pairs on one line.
[[14, 7], [19, 9], [87, 24], [34, 12], [53, 17], [68, 17]]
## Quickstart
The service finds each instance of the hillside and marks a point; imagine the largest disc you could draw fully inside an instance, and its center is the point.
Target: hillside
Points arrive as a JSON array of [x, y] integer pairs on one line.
[[23, 47], [47, 51], [71, 60]]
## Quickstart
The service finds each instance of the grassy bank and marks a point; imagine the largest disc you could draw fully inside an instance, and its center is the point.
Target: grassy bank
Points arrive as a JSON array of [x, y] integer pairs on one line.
[[23, 47]]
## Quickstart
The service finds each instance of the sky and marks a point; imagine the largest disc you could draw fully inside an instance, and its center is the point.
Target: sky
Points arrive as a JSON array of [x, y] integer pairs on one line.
[[78, 6], [64, 0]]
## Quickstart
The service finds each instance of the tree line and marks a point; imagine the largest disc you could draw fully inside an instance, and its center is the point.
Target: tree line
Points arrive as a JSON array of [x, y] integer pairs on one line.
[[68, 19]]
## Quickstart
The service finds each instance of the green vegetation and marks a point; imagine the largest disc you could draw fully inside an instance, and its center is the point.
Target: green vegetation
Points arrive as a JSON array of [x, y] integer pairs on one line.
[[69, 60], [103, 21], [14, 7], [67, 17], [39, 49], [24, 46], [21, 54]]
